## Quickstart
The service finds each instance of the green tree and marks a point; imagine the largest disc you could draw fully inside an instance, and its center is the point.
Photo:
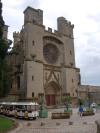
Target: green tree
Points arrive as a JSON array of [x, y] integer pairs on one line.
[[66, 99], [80, 102], [88, 100], [4, 68]]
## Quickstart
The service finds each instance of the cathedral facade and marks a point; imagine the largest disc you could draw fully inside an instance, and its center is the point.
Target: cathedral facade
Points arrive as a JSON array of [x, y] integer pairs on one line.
[[43, 61]]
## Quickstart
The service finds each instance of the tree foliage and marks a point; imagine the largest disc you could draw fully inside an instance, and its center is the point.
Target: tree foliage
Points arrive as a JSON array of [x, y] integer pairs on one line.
[[66, 99], [4, 68], [81, 102]]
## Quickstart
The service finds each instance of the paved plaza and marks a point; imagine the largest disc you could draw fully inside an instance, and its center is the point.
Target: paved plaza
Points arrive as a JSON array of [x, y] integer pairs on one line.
[[75, 124]]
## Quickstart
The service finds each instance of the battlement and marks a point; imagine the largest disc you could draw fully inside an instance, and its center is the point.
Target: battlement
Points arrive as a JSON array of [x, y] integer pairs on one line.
[[65, 22], [16, 34], [35, 16], [65, 27], [52, 31], [49, 29]]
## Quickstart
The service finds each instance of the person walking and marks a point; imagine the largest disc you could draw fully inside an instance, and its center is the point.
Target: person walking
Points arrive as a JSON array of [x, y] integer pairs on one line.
[[81, 111]]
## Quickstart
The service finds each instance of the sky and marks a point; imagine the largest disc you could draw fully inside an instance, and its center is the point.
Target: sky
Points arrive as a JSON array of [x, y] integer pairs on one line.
[[84, 14]]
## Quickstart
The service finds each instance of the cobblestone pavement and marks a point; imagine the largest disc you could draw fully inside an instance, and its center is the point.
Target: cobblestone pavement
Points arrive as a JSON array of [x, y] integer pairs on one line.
[[75, 124]]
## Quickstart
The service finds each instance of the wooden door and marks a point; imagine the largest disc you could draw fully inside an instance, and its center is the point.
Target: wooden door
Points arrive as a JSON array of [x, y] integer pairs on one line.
[[52, 99], [48, 100]]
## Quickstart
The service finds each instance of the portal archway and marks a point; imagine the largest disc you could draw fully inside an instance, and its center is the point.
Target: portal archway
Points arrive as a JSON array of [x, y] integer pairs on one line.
[[52, 93]]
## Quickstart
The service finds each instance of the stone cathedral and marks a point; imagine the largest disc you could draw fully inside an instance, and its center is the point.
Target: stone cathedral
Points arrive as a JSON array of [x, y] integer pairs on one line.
[[43, 61]]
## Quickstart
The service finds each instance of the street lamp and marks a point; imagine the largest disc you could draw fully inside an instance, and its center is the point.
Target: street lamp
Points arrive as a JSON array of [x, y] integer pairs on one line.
[[88, 96]]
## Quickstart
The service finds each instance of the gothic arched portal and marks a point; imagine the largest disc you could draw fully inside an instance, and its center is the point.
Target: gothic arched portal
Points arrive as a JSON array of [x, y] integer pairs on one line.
[[52, 93]]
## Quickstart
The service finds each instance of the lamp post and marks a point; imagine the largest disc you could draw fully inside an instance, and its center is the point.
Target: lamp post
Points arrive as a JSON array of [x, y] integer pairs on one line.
[[88, 96], [78, 97], [43, 112]]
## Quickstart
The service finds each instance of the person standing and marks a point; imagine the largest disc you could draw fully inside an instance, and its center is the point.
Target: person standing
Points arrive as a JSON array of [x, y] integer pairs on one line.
[[81, 111]]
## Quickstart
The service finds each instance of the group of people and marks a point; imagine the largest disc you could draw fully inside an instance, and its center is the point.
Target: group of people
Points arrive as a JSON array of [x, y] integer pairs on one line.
[[81, 110]]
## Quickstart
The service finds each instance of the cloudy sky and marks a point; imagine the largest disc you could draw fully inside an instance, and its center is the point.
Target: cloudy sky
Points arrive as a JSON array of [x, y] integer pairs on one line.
[[84, 14]]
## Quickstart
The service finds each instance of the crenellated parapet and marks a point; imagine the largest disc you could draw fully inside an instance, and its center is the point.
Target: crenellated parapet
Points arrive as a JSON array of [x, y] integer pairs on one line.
[[16, 36], [65, 27]]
